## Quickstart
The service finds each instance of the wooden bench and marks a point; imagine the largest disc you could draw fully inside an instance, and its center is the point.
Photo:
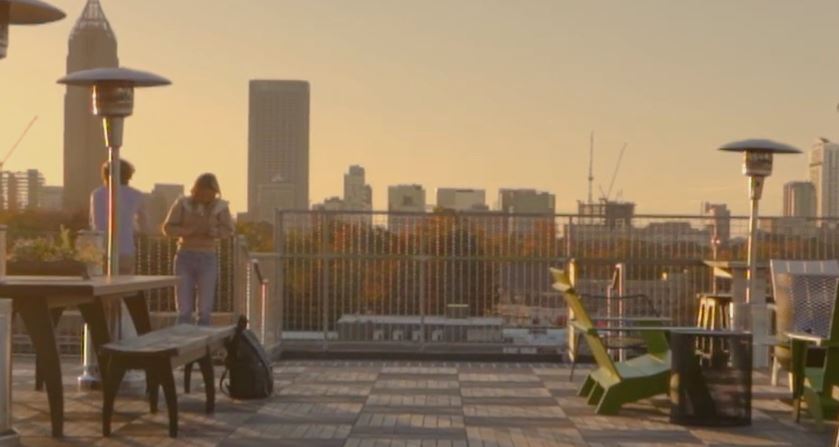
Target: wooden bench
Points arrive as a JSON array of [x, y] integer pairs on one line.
[[159, 353]]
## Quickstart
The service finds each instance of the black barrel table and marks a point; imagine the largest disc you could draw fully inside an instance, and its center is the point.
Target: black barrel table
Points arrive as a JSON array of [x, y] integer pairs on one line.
[[711, 388]]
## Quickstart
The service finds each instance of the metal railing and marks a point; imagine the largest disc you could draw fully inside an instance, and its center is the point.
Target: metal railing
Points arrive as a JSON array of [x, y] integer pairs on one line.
[[420, 279], [264, 315], [155, 256]]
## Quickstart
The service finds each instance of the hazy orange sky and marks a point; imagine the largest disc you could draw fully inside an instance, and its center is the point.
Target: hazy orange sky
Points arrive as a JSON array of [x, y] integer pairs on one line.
[[460, 93]]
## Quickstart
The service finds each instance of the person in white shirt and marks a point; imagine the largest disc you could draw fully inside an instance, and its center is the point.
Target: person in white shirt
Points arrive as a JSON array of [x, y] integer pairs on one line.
[[132, 214]]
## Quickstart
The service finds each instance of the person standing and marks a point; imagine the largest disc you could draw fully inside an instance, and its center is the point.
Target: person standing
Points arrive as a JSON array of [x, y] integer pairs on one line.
[[198, 221], [132, 214]]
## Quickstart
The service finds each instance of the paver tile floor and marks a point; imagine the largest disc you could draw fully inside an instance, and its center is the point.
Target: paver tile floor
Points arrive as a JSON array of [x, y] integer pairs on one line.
[[401, 404]]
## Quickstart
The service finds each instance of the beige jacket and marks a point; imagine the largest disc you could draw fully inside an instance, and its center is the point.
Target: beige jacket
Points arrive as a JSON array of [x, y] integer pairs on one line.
[[197, 227]]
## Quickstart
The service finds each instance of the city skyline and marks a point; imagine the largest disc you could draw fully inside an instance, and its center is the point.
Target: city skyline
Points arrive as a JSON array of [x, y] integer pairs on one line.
[[531, 81]]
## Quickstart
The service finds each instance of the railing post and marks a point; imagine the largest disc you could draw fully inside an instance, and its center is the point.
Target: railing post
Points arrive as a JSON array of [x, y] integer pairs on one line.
[[324, 278], [279, 248], [620, 271], [422, 261], [263, 291], [8, 436], [89, 379], [572, 335], [248, 287]]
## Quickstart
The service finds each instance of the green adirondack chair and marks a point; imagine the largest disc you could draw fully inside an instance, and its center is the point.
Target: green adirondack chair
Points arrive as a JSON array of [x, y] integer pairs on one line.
[[614, 384], [819, 386]]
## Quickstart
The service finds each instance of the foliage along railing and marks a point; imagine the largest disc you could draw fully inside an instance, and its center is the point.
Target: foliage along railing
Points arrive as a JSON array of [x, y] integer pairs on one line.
[[334, 264]]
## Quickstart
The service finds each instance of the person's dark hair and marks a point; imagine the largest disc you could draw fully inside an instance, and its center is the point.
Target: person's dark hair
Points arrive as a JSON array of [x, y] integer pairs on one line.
[[126, 171], [206, 181]]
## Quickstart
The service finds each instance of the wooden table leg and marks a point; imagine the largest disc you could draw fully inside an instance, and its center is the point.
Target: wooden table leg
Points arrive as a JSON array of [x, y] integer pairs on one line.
[[93, 314], [206, 364], [139, 310], [55, 314], [42, 333]]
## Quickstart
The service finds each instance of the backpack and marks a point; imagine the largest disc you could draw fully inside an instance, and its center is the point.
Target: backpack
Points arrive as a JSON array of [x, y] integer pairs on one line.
[[251, 374]]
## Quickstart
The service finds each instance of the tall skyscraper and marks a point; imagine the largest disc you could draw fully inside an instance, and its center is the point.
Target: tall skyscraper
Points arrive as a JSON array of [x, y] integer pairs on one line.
[[358, 196], [461, 199], [92, 44], [799, 199], [824, 174], [278, 145]]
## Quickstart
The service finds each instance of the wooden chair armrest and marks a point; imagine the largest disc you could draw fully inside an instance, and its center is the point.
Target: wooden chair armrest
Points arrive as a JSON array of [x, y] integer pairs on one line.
[[633, 319], [637, 329], [810, 338]]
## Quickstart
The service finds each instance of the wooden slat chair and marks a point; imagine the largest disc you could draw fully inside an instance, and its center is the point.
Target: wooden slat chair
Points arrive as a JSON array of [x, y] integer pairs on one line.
[[818, 386], [614, 384]]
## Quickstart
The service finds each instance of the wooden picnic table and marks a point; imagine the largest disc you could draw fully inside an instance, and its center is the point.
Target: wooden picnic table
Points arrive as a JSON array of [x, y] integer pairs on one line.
[[40, 300]]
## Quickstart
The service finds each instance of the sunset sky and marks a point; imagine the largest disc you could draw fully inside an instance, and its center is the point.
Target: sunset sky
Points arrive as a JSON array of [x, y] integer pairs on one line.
[[460, 93]]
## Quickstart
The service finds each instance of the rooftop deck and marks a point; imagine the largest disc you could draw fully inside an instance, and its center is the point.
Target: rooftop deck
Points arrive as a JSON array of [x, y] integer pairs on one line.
[[381, 403]]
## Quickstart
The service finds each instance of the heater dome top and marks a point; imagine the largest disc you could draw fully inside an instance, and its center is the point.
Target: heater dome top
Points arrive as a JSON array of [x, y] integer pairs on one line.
[[760, 145], [32, 12], [125, 76]]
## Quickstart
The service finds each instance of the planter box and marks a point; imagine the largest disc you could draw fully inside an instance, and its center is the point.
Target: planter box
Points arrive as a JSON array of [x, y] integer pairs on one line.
[[47, 268]]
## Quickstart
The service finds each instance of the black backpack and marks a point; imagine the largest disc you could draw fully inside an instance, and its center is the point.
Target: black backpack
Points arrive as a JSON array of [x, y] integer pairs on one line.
[[251, 374]]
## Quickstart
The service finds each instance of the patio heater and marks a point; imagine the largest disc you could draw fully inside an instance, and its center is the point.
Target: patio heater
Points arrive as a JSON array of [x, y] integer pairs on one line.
[[13, 12], [757, 165], [112, 99], [24, 12]]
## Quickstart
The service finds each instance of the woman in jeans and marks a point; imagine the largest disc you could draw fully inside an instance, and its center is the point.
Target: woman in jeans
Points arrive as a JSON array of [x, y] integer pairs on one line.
[[198, 220]]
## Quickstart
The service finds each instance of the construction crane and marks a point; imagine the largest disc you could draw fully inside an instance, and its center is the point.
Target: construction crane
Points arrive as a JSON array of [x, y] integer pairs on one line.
[[17, 143], [605, 195]]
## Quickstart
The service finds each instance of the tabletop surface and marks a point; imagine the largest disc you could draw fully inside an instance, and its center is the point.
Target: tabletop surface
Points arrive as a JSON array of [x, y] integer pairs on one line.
[[13, 286]]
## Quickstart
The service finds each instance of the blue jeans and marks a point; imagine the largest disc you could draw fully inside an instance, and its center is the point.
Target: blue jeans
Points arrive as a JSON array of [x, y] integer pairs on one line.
[[196, 270]]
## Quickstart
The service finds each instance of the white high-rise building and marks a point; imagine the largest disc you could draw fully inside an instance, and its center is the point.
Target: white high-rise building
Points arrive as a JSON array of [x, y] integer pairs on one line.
[[405, 199], [92, 45], [461, 199], [824, 174], [21, 190], [358, 196], [800, 199], [278, 146]]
